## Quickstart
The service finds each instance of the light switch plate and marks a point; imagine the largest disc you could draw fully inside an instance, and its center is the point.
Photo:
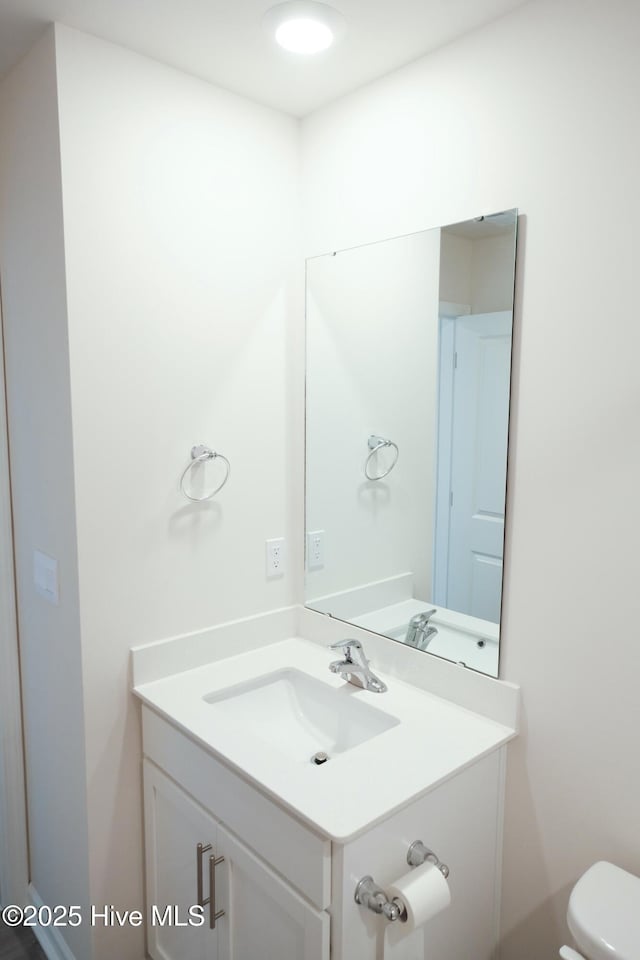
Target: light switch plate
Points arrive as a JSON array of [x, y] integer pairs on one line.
[[45, 576]]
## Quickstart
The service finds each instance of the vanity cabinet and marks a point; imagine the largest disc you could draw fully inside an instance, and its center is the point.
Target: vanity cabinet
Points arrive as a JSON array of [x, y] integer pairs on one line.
[[273, 883], [461, 821], [174, 826], [287, 891], [257, 913]]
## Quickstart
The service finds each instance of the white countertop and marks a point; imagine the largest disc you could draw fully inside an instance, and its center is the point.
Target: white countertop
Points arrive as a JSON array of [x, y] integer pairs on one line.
[[434, 740]]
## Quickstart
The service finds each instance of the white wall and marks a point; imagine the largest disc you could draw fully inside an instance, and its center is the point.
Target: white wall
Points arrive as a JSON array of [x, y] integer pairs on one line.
[[13, 815], [492, 274], [455, 268], [372, 342], [180, 206], [477, 272], [537, 110], [39, 402], [180, 226]]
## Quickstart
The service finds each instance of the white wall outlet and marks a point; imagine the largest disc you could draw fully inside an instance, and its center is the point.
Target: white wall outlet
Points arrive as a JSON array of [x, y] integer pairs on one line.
[[276, 557], [45, 576], [315, 550]]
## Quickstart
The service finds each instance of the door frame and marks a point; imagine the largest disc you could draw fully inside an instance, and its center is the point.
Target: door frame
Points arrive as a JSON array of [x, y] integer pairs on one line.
[[14, 857]]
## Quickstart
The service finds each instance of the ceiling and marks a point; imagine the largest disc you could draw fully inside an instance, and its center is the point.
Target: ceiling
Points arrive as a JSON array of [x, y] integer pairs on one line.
[[223, 41]]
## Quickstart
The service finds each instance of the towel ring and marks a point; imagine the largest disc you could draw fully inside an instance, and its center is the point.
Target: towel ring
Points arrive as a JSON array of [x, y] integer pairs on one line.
[[200, 454], [375, 444]]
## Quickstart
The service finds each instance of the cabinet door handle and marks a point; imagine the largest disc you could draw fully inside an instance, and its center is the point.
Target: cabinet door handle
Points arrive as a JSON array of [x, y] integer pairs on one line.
[[213, 915], [200, 850]]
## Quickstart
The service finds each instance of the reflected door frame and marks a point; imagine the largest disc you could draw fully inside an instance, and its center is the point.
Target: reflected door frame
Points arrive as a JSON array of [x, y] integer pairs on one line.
[[14, 867], [471, 539], [448, 314]]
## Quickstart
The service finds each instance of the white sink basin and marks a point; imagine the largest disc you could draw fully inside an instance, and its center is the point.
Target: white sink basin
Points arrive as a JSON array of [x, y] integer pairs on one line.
[[298, 715], [266, 719]]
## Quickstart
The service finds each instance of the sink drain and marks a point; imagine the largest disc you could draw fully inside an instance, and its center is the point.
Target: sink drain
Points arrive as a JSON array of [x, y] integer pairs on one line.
[[319, 758]]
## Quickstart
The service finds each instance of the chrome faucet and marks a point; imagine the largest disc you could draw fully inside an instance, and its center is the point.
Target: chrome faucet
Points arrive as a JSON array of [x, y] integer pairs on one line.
[[420, 632], [355, 666]]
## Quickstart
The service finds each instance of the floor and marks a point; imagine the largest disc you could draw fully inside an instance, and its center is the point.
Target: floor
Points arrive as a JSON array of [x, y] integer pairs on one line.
[[19, 943]]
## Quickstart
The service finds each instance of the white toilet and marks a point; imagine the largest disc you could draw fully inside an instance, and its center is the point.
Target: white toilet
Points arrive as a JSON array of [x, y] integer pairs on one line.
[[604, 915]]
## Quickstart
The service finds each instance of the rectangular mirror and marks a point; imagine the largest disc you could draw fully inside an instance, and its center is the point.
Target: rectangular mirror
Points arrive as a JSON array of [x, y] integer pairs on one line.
[[408, 372]]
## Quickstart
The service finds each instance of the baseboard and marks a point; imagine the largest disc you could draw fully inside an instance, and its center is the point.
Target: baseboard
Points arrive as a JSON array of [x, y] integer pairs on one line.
[[50, 938]]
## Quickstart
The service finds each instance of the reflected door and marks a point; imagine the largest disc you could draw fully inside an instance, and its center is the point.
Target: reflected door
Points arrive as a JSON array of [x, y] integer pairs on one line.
[[480, 421]]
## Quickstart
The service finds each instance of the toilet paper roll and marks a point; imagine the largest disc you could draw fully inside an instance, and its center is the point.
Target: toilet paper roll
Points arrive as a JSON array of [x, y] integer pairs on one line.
[[424, 892], [402, 946]]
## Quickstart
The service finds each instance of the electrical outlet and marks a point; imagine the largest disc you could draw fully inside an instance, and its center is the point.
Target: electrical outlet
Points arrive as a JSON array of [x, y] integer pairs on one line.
[[275, 557], [315, 550]]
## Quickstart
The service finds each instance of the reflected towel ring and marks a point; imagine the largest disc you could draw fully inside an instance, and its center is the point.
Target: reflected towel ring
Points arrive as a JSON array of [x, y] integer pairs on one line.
[[200, 454], [377, 443]]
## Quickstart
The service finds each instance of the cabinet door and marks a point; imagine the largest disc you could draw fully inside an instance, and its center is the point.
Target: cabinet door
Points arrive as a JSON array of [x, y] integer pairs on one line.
[[174, 826], [265, 919]]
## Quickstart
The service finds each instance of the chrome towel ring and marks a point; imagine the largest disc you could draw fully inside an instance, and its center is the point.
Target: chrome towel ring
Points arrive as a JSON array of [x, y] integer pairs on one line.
[[200, 454], [377, 443]]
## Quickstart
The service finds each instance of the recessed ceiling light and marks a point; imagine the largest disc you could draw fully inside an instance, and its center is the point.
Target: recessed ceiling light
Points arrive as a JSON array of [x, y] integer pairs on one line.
[[304, 26]]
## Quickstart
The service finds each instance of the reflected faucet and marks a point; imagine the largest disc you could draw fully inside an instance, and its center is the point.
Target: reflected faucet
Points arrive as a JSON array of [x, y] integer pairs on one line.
[[355, 667], [419, 631]]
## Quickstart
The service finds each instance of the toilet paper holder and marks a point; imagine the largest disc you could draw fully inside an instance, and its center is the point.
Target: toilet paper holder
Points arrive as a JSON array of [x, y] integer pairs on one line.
[[369, 894], [418, 853]]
